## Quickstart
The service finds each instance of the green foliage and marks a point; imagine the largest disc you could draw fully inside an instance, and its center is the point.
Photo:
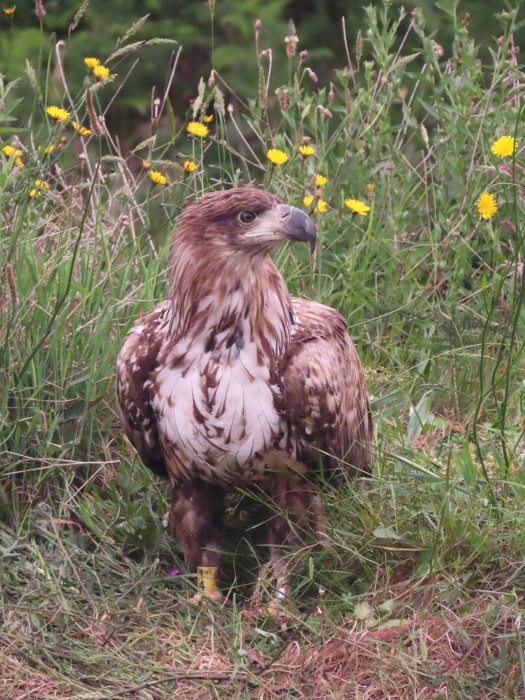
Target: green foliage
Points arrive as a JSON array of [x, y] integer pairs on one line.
[[433, 294]]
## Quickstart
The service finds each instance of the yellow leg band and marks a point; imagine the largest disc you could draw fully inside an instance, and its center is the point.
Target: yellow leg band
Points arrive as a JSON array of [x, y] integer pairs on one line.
[[207, 578]]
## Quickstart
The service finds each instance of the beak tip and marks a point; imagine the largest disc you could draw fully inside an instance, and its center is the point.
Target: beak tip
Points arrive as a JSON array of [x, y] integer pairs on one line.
[[300, 227]]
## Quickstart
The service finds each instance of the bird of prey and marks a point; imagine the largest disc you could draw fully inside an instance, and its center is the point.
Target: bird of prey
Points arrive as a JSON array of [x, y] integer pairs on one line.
[[232, 382]]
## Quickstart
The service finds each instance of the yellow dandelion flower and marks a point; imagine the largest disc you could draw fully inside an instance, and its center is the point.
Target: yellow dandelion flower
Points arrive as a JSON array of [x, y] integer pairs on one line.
[[306, 150], [487, 206], [9, 150], [357, 206], [190, 166], [276, 156], [197, 129], [504, 146], [145, 164], [101, 72], [91, 63], [19, 162], [371, 187], [82, 130], [47, 149], [208, 118], [57, 113], [321, 204], [157, 177], [40, 185], [9, 10], [320, 180]]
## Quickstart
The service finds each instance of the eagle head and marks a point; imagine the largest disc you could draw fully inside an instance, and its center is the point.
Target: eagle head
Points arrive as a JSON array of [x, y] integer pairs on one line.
[[245, 221]]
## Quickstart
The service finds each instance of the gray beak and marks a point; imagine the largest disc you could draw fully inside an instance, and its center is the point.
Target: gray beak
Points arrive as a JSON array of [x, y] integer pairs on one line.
[[298, 226]]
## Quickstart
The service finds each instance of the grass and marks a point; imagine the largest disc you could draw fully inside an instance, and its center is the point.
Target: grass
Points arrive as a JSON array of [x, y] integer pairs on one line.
[[418, 589]]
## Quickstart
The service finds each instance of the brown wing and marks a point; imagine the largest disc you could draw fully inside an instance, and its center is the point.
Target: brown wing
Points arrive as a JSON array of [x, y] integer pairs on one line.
[[136, 362], [325, 390]]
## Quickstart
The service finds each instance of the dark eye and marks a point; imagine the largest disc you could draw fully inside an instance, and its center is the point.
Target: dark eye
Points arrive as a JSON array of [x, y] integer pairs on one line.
[[247, 217]]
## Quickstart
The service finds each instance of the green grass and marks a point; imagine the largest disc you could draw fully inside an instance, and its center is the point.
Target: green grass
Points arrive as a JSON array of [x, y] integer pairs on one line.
[[417, 591]]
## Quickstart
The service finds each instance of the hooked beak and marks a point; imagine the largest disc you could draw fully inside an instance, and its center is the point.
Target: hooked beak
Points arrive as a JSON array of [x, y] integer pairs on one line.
[[298, 226]]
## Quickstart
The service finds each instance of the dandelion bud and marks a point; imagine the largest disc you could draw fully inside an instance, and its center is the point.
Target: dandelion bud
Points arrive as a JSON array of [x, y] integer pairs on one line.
[[303, 55], [39, 9], [305, 140], [155, 109], [313, 76], [211, 79], [331, 94], [414, 12], [501, 40], [230, 108], [257, 24], [326, 112]]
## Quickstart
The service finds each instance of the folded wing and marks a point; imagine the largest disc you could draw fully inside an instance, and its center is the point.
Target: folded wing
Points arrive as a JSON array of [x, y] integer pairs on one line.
[[136, 362], [325, 391]]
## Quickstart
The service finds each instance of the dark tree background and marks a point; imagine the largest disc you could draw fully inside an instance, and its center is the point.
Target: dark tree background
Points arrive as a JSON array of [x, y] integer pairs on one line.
[[318, 24]]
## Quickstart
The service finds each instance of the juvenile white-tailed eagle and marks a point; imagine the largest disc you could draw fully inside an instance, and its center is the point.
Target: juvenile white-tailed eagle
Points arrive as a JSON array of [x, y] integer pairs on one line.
[[233, 382]]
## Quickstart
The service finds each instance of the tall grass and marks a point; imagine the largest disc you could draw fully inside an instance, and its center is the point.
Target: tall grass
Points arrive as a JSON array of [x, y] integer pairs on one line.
[[418, 591]]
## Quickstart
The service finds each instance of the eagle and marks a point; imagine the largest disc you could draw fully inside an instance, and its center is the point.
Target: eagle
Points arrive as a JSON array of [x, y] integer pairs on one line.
[[232, 382]]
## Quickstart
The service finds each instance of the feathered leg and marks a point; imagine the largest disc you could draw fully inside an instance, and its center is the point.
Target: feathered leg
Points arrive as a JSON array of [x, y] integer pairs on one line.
[[196, 520], [298, 517]]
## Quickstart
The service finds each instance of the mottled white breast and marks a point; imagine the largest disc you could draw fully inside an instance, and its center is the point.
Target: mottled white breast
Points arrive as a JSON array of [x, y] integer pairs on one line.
[[217, 406]]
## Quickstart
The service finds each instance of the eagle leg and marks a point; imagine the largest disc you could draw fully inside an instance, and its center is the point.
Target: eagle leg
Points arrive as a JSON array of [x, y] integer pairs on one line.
[[298, 517], [196, 521]]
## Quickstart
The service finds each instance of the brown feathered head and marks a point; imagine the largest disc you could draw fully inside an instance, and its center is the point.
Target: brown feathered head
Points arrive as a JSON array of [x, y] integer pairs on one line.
[[244, 221]]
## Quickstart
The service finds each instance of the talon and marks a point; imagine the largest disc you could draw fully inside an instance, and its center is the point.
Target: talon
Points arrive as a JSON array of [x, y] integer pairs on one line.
[[202, 598]]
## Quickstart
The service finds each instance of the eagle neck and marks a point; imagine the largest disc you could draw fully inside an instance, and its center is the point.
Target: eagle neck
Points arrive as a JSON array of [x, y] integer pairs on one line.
[[222, 305]]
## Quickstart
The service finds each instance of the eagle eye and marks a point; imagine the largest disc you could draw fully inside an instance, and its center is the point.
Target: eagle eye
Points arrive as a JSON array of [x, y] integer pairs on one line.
[[247, 217]]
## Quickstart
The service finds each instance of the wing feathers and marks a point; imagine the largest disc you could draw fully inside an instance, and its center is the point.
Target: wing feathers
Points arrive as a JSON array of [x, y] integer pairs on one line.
[[325, 389], [136, 362]]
